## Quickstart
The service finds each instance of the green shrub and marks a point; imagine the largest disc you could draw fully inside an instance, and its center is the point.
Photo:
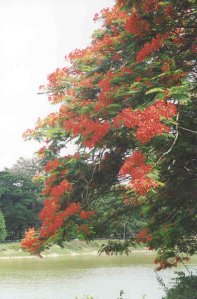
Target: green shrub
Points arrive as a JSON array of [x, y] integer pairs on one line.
[[184, 288], [3, 232]]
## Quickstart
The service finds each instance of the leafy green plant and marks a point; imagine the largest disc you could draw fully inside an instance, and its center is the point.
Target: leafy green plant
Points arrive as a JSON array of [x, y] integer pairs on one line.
[[3, 232], [185, 287], [121, 294]]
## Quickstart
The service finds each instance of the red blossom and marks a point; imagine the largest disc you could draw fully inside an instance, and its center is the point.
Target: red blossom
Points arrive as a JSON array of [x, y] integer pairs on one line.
[[42, 151], [135, 160], [59, 190], [53, 217], [31, 242], [138, 79], [72, 209], [135, 167], [150, 6], [169, 11], [143, 185], [148, 121], [127, 117], [84, 228], [92, 131], [149, 130], [86, 214], [194, 48], [144, 236], [52, 165], [155, 44], [136, 25]]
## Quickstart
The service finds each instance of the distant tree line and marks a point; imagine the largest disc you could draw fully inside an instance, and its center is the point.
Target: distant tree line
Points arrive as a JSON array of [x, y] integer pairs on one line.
[[20, 201]]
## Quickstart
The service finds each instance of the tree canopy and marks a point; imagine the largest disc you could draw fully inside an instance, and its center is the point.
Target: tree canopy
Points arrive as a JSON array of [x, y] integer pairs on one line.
[[18, 203], [128, 103], [26, 167]]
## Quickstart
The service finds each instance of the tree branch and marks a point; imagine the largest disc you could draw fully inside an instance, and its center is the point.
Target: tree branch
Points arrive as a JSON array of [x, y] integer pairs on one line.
[[195, 132], [175, 139]]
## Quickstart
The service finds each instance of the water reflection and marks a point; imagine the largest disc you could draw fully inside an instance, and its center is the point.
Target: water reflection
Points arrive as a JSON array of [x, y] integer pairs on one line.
[[68, 277]]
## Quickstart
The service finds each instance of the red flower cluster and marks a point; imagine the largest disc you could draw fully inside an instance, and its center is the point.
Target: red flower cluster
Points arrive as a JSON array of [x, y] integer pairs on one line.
[[84, 228], [56, 190], [111, 16], [106, 43], [59, 190], [169, 11], [92, 131], [127, 117], [86, 214], [52, 165], [164, 263], [144, 236], [150, 120], [56, 78], [31, 242], [50, 218], [135, 167], [78, 54], [52, 118], [50, 208], [53, 218], [194, 48], [150, 6], [147, 121], [143, 185], [85, 82], [155, 44], [133, 161], [136, 25], [104, 98], [41, 152], [104, 84]]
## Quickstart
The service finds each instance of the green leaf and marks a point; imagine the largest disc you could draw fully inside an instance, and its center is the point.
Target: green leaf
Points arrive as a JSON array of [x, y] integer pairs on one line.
[[113, 107], [179, 90], [85, 109], [159, 95], [153, 90]]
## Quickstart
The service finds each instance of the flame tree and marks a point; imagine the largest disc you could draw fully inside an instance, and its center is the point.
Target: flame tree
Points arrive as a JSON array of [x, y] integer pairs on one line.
[[128, 103]]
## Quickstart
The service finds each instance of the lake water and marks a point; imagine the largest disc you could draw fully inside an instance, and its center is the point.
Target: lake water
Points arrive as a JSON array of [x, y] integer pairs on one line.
[[70, 277]]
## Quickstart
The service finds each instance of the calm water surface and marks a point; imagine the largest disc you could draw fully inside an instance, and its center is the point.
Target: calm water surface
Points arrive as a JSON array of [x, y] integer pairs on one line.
[[68, 277]]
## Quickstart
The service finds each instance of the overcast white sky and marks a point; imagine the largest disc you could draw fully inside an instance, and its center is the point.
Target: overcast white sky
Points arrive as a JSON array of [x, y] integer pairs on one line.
[[35, 36]]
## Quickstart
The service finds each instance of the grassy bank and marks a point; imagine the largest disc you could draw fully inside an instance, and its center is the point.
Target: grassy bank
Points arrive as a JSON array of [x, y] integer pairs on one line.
[[13, 249], [72, 248], [75, 247]]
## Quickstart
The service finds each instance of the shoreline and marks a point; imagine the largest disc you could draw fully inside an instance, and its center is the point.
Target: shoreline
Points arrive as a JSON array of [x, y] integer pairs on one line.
[[73, 254], [141, 253], [72, 249], [13, 250]]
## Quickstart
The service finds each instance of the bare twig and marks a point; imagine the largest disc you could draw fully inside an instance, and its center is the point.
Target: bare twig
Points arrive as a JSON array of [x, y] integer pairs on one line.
[[175, 139], [195, 132]]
